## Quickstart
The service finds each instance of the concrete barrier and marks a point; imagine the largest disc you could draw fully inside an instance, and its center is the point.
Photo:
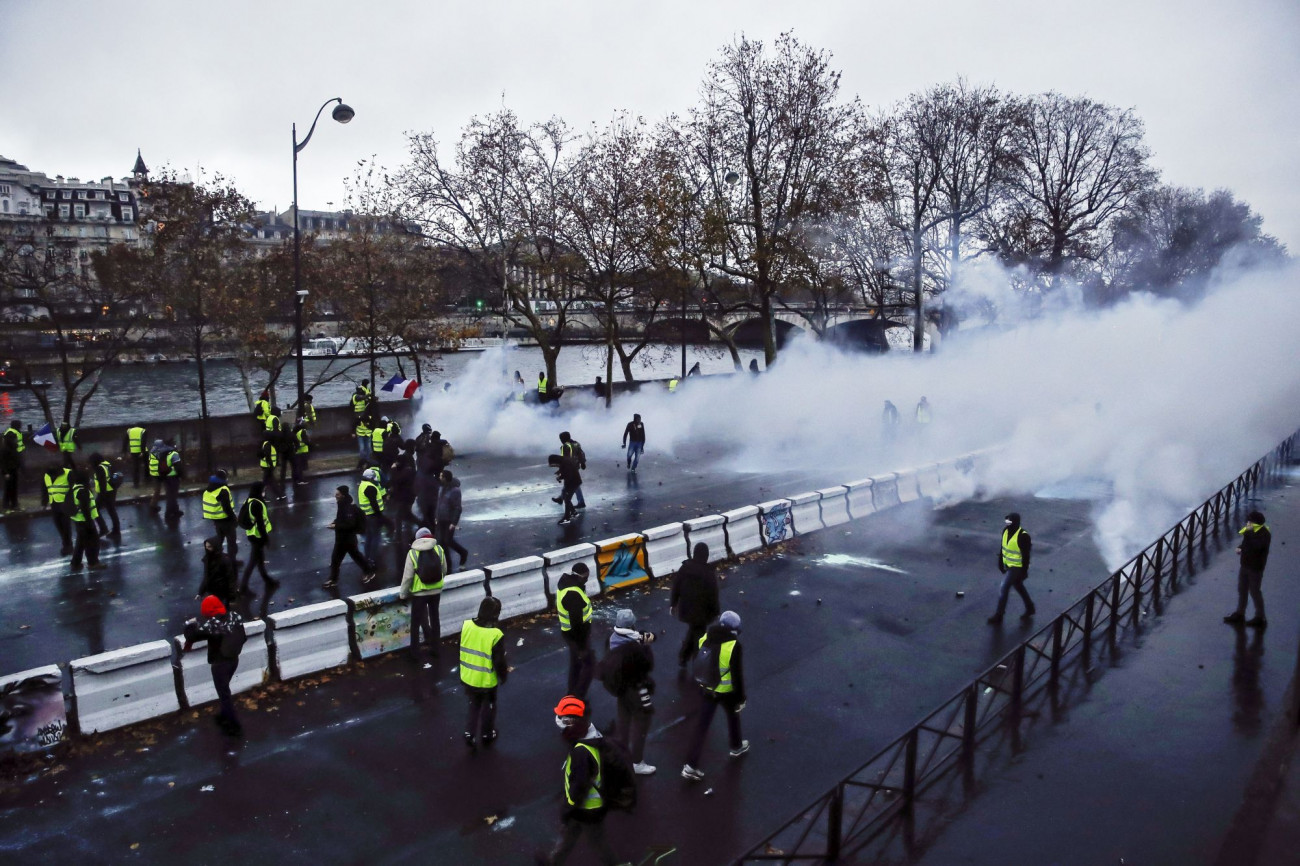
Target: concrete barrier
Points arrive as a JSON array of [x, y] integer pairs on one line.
[[835, 506], [909, 489], [520, 584], [861, 498], [806, 512], [194, 679], [775, 521], [309, 639], [462, 593], [124, 686], [710, 530], [381, 622], [927, 480], [562, 560], [621, 562], [957, 477], [743, 533], [665, 548], [31, 703], [884, 492]]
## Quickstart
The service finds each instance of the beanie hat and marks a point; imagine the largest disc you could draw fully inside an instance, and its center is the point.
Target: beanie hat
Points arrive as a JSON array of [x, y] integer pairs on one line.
[[570, 706], [730, 619], [211, 606], [581, 569], [423, 532], [343, 488], [1255, 517], [625, 619]]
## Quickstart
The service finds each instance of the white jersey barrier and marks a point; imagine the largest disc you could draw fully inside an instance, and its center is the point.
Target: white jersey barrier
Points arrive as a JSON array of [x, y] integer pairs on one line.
[[909, 489], [665, 548], [710, 530], [520, 584], [927, 479], [560, 561], [861, 498], [884, 492], [193, 674], [380, 622], [309, 639], [806, 511], [124, 686], [462, 593], [743, 534], [834, 506]]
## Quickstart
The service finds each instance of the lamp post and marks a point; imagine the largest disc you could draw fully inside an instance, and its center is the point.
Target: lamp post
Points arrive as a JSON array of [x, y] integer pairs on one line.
[[342, 113], [300, 297]]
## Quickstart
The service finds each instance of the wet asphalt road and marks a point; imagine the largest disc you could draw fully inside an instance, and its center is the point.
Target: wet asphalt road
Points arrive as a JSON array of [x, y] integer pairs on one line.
[[51, 614], [851, 634]]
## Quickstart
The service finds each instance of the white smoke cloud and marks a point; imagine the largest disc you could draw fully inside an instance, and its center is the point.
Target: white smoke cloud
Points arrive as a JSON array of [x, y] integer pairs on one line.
[[1148, 406]]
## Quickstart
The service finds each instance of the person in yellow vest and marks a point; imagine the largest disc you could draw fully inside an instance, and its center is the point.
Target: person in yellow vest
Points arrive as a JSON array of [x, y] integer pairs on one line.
[[84, 516], [426, 566], [378, 442], [308, 412], [573, 607], [173, 469], [1256, 539], [67, 438], [262, 408], [55, 495], [134, 448], [360, 401], [372, 498], [542, 387], [268, 457], [923, 414], [364, 432], [672, 384], [720, 672], [11, 462], [154, 463], [584, 802], [1013, 562], [301, 450], [219, 507], [520, 387], [274, 430], [106, 484], [483, 667], [255, 517]]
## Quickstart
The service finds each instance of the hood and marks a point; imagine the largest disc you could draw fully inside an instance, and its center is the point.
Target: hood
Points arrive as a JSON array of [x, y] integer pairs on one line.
[[424, 544], [454, 482], [700, 553], [622, 636], [718, 631]]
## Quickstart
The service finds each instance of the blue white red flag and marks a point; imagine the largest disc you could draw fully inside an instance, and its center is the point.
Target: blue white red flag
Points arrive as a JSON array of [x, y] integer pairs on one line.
[[45, 436], [404, 387]]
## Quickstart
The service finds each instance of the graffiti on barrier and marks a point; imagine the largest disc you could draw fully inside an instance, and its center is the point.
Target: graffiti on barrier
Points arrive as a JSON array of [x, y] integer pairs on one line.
[[777, 524], [622, 562], [32, 716], [381, 627]]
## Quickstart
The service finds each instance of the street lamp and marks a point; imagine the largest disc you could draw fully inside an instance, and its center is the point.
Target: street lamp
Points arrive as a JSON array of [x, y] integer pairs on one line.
[[342, 113], [299, 300]]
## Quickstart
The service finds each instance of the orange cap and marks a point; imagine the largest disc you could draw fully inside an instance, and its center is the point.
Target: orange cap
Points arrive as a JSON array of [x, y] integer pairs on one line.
[[570, 706]]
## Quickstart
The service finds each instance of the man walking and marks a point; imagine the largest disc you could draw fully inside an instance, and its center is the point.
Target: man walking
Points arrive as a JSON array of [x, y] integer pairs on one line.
[[448, 514], [721, 676], [625, 673], [1256, 538], [256, 519], [219, 507], [584, 802], [268, 457], [348, 521], [11, 462], [1013, 562], [85, 515], [224, 632], [172, 468], [572, 448], [106, 482], [634, 441], [574, 610], [566, 472], [133, 447], [482, 668], [372, 498], [55, 495], [301, 450], [426, 566], [694, 600]]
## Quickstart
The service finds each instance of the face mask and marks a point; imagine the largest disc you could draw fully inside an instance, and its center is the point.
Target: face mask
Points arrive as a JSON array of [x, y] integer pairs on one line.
[[1007, 522], [562, 722]]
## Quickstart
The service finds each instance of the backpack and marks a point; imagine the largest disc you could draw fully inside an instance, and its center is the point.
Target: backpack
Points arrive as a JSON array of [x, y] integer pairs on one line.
[[610, 673], [232, 642], [617, 778], [245, 517], [578, 454], [429, 567], [705, 667]]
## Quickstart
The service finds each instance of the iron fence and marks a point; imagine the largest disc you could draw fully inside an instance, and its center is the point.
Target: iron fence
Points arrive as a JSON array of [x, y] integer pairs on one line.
[[876, 804]]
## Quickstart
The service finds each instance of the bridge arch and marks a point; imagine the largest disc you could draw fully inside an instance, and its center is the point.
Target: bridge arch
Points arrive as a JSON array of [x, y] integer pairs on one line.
[[749, 332]]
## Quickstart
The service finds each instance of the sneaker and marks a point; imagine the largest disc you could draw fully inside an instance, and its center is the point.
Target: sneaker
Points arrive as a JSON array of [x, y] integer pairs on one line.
[[469, 739], [77, 566], [994, 620], [1257, 622], [1235, 617], [742, 749], [582, 505], [330, 584], [691, 774], [564, 521], [642, 769], [557, 499], [489, 737]]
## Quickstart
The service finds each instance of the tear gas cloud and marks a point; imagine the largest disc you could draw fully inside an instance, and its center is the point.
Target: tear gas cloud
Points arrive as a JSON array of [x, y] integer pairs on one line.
[[1153, 402]]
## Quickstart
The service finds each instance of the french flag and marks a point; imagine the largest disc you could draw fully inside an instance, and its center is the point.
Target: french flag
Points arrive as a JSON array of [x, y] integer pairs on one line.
[[45, 436], [398, 385]]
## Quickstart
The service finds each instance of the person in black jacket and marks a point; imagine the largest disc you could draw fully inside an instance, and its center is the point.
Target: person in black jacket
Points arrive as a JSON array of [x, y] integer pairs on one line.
[[427, 488], [1256, 538], [566, 472], [402, 491], [217, 626], [584, 804], [448, 515], [625, 672], [573, 608], [218, 573], [694, 599], [723, 638], [1013, 562], [634, 441], [348, 521]]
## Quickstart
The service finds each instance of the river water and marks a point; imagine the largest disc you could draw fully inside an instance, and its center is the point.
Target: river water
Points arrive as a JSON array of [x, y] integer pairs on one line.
[[165, 392]]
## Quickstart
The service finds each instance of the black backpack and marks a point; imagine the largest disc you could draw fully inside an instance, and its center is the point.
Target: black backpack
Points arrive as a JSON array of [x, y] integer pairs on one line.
[[232, 642], [617, 778], [245, 517], [610, 673], [706, 666]]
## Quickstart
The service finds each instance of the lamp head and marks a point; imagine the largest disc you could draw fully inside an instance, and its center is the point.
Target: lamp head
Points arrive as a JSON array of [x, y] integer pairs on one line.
[[343, 112], [731, 177]]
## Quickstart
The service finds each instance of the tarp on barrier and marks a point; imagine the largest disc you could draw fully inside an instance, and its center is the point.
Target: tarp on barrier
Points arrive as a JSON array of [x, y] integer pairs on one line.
[[806, 512], [31, 705], [621, 561], [462, 593], [665, 548], [776, 521], [381, 622], [861, 498], [743, 532], [124, 686], [520, 584], [311, 638], [711, 530], [884, 492], [195, 678], [835, 506]]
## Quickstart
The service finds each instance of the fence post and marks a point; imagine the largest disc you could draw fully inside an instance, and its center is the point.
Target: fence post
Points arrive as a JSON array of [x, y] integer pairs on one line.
[[909, 771], [1114, 605], [1137, 588], [1087, 628], [1160, 558], [968, 724], [1173, 559], [1191, 548], [835, 823], [1057, 626], [1017, 680]]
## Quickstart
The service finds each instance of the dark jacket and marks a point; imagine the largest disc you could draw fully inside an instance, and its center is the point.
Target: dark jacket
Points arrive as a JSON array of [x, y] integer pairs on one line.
[[566, 470], [218, 574], [348, 519], [1026, 546], [718, 635], [694, 598], [449, 504], [580, 630], [402, 484], [212, 629], [635, 430], [627, 665], [581, 770], [1254, 548], [427, 487]]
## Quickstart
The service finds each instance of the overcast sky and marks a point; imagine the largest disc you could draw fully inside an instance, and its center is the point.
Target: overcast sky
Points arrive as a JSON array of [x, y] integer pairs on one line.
[[217, 84]]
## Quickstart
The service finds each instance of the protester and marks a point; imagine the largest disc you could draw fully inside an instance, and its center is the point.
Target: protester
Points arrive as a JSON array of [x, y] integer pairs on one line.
[[348, 521], [570, 447], [256, 520], [584, 801], [634, 441], [426, 566], [694, 599], [722, 684], [106, 484], [625, 673], [224, 632], [1256, 538], [85, 516], [218, 573], [566, 472], [573, 607], [483, 667], [1013, 562], [448, 514]]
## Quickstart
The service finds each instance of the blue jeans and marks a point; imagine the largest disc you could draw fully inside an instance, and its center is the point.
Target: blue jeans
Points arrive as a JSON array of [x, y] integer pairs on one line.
[[363, 447], [1014, 579], [577, 493], [634, 450]]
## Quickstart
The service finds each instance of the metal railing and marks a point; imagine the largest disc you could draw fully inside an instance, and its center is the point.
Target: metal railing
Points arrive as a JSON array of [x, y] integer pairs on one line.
[[877, 804]]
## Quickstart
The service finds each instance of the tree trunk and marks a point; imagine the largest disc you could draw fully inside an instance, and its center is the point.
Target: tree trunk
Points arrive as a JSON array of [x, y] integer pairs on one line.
[[918, 328]]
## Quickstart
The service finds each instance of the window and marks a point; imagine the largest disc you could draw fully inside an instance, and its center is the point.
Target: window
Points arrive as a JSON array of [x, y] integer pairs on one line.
[[4, 189], [4, 206], [64, 211], [79, 211], [128, 214], [49, 210], [65, 193], [121, 196]]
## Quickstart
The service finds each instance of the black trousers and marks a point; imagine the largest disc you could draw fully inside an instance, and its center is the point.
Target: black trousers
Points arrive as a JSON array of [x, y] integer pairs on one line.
[[63, 523], [256, 559], [225, 529], [138, 462], [424, 617], [691, 643], [11, 489], [482, 717], [346, 545], [572, 832], [222, 673], [581, 663], [634, 722], [270, 484], [87, 543], [708, 706], [447, 541], [172, 486], [107, 503], [299, 468]]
